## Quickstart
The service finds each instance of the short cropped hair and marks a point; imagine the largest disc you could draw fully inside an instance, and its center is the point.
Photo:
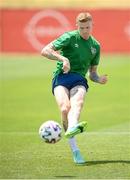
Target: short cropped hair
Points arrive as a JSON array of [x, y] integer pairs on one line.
[[84, 17]]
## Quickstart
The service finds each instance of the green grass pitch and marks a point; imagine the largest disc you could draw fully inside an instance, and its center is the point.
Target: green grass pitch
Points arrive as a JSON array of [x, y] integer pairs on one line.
[[26, 102]]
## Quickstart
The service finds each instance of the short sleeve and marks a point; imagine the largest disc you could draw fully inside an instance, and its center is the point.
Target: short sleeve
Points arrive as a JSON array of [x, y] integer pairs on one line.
[[96, 59], [62, 41]]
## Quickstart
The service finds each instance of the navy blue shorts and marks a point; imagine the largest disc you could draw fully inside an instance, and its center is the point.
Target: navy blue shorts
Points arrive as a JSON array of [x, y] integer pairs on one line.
[[69, 81]]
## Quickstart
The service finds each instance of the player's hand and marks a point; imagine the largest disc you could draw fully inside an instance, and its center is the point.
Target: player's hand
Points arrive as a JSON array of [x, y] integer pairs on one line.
[[103, 79], [66, 65]]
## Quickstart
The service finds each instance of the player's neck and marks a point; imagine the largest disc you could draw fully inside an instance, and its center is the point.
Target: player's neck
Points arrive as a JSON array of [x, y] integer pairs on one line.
[[85, 37]]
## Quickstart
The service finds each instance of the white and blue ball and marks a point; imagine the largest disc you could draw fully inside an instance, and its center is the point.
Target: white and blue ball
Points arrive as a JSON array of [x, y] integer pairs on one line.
[[50, 132]]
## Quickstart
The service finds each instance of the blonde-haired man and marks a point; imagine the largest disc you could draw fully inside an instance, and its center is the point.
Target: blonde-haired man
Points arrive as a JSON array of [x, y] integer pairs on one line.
[[79, 53]]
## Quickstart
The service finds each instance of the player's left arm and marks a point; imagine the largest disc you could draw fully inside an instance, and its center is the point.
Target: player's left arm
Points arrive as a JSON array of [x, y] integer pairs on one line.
[[93, 75]]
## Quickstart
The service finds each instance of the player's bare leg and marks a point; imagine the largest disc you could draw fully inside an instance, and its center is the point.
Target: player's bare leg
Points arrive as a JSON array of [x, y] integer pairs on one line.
[[62, 99], [77, 96]]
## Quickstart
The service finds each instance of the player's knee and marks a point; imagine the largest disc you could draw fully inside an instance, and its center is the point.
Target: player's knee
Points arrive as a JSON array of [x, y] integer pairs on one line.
[[65, 109]]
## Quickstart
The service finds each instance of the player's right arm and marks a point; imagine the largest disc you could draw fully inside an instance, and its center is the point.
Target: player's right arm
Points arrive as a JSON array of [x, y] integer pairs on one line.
[[50, 52]]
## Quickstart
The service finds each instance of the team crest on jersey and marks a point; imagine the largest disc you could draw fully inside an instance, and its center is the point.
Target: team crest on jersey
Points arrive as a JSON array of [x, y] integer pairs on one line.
[[76, 45], [93, 50]]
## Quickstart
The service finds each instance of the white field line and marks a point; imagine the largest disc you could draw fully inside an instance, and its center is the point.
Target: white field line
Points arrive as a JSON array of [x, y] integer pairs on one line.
[[87, 133]]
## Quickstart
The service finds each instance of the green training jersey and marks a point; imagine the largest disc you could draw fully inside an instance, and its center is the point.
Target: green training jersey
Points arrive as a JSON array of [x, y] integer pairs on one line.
[[81, 53]]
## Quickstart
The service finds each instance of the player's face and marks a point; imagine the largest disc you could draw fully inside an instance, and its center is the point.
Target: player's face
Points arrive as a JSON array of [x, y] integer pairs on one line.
[[85, 28]]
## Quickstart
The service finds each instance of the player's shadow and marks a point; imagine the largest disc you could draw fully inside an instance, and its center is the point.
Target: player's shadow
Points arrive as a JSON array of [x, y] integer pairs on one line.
[[91, 163]]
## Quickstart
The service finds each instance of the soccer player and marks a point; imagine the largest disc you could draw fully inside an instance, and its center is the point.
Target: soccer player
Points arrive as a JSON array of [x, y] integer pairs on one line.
[[79, 53]]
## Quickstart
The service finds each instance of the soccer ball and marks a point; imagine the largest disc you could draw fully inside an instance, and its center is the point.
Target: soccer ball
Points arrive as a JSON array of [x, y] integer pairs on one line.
[[50, 132]]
